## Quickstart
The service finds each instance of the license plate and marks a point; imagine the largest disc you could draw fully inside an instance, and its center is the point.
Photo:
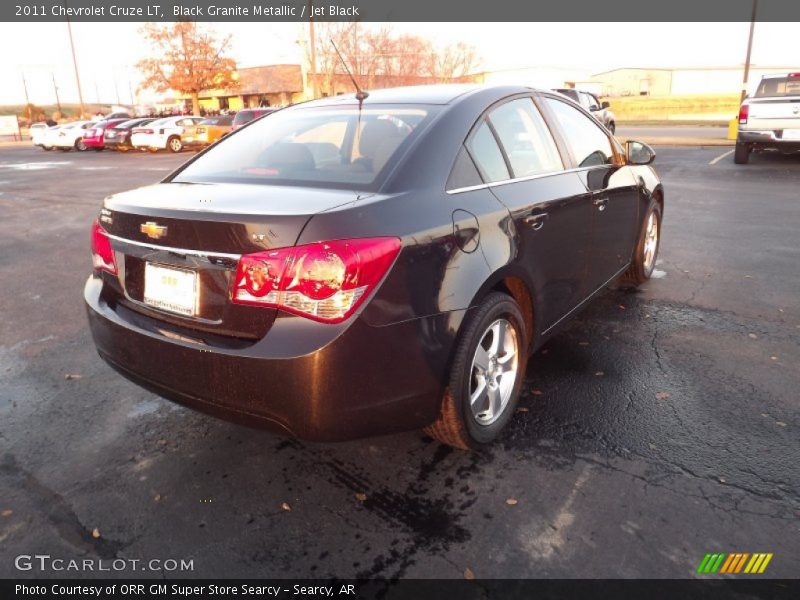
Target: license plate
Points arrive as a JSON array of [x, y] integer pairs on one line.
[[791, 134], [170, 289]]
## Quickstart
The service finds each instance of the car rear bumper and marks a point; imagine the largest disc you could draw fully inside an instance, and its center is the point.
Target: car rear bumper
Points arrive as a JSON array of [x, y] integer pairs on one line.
[[767, 137], [348, 381], [148, 142]]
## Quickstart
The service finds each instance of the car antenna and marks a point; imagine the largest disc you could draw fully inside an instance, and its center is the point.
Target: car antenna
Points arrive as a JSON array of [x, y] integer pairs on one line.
[[361, 95]]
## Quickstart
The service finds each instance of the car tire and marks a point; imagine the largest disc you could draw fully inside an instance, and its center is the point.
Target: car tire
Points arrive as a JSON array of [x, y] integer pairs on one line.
[[80, 146], [645, 253], [47, 148], [174, 144], [612, 127], [463, 423], [741, 154]]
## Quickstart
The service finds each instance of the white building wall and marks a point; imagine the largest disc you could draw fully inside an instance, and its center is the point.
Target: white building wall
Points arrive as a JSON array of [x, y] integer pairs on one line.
[[538, 77]]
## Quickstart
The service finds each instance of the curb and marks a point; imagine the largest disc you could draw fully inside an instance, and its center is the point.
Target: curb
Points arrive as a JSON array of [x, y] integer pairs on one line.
[[684, 141]]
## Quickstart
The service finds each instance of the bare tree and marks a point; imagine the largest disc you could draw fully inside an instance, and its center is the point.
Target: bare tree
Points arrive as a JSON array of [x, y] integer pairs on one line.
[[379, 56]]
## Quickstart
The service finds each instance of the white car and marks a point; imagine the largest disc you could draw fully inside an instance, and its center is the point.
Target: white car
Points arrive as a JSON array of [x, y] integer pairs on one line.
[[37, 133], [162, 134], [69, 136]]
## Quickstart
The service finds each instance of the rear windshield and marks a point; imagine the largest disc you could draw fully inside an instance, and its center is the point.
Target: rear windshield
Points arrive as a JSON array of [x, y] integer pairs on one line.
[[244, 116], [217, 121], [779, 86], [338, 147], [130, 124]]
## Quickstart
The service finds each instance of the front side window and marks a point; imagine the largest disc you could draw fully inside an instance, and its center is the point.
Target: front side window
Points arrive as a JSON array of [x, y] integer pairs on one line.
[[590, 146], [341, 147], [525, 138]]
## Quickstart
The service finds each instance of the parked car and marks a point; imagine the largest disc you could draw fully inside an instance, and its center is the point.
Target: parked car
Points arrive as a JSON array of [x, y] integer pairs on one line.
[[48, 137], [70, 136], [119, 136], [600, 110], [243, 117], [208, 131], [37, 132], [162, 134], [346, 270], [770, 119], [119, 115], [94, 137]]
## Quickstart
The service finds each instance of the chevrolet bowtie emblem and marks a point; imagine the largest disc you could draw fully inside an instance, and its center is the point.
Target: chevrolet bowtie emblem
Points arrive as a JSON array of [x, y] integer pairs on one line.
[[153, 230]]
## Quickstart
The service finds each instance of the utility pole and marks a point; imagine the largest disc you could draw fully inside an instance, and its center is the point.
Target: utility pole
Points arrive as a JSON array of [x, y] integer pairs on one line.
[[130, 91], [313, 41], [27, 101], [749, 50], [116, 89], [75, 64], [55, 89]]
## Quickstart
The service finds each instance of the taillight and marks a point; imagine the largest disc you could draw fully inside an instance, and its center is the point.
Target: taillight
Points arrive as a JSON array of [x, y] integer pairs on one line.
[[324, 281], [794, 75], [744, 112], [102, 253]]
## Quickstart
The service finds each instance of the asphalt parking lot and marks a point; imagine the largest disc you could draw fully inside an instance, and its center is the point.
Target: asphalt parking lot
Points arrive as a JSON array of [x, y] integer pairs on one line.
[[662, 425]]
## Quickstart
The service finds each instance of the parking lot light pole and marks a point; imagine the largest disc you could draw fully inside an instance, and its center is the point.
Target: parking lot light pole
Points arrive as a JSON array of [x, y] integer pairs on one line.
[[75, 64], [55, 89], [749, 50]]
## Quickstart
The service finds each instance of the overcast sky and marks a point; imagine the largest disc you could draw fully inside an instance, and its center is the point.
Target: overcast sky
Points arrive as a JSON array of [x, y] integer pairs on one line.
[[107, 51]]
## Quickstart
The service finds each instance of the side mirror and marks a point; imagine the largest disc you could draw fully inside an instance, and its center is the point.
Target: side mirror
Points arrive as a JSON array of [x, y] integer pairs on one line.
[[605, 105], [639, 153]]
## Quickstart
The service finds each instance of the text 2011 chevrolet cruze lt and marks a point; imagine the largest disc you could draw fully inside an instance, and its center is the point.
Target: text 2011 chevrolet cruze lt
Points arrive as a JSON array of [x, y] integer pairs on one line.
[[341, 268]]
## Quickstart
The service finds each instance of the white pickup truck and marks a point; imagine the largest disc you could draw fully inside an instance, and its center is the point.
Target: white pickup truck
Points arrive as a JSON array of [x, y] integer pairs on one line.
[[770, 118]]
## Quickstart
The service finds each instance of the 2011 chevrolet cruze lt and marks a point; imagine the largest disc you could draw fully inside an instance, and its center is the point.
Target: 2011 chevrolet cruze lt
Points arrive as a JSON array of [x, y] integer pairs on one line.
[[341, 268]]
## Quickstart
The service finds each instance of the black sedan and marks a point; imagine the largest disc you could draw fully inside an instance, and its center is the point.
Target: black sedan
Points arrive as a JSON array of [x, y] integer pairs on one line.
[[346, 268]]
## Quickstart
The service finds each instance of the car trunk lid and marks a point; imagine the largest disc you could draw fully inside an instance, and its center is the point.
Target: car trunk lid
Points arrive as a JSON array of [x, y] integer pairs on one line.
[[191, 236]]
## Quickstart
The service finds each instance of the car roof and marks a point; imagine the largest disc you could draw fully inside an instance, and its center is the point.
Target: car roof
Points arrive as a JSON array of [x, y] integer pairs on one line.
[[423, 94]]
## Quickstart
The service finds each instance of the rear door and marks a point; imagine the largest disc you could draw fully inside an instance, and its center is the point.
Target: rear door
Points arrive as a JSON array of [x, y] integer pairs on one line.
[[599, 163], [549, 207]]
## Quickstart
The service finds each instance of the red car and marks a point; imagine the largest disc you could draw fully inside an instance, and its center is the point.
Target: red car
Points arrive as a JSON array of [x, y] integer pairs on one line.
[[244, 116], [95, 137]]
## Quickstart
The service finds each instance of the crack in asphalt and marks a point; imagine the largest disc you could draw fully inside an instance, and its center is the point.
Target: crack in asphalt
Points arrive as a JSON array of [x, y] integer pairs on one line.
[[58, 512]]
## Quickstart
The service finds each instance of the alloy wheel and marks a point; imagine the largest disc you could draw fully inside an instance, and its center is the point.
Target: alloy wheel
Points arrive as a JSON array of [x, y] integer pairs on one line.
[[650, 242], [495, 367]]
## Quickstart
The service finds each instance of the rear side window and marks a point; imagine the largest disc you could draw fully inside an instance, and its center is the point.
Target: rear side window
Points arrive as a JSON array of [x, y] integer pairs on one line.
[[488, 157], [525, 138], [464, 173], [590, 146]]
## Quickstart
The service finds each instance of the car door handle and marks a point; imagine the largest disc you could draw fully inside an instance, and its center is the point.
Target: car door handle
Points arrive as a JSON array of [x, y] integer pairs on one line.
[[600, 202], [536, 222]]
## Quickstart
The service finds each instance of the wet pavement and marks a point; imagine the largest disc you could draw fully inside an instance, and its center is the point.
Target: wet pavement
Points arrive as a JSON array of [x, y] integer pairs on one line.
[[663, 424]]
